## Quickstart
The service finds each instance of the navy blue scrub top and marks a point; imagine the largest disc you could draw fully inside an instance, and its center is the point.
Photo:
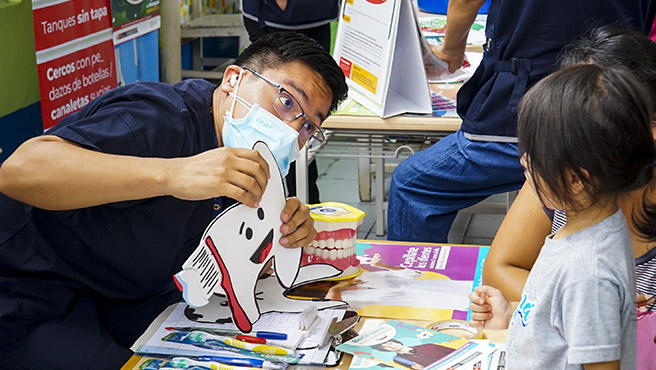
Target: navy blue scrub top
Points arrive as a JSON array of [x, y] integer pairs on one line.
[[124, 250], [525, 38]]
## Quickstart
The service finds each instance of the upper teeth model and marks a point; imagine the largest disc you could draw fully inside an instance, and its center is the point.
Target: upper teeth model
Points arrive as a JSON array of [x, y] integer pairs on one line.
[[336, 226]]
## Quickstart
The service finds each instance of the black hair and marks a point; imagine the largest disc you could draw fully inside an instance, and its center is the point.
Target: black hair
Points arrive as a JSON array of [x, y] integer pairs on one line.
[[278, 48], [644, 218], [380, 347], [615, 46], [592, 121]]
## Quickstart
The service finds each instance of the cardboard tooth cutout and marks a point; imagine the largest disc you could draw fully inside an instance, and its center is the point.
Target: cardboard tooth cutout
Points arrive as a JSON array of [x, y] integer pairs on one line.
[[269, 296], [237, 246]]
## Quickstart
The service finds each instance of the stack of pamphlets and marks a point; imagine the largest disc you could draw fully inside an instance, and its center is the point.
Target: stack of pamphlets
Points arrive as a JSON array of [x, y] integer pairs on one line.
[[182, 335]]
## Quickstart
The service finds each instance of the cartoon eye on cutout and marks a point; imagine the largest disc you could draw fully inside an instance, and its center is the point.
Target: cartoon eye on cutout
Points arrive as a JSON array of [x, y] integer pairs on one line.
[[262, 252], [249, 231]]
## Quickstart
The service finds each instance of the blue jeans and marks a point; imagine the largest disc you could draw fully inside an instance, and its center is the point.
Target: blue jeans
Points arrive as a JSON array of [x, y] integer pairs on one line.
[[430, 186]]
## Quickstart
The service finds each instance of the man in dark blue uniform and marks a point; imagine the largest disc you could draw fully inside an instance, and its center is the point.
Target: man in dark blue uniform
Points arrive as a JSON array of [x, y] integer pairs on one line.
[[309, 17], [481, 159], [99, 213]]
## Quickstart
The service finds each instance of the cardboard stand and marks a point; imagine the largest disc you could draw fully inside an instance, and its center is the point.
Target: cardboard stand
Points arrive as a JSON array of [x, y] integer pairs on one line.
[[378, 48]]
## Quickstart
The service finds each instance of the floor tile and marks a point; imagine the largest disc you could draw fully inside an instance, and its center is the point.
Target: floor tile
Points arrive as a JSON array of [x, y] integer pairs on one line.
[[484, 225], [477, 241]]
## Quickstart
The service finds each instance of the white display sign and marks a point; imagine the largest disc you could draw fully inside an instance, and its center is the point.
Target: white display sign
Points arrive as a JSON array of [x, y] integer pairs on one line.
[[378, 48]]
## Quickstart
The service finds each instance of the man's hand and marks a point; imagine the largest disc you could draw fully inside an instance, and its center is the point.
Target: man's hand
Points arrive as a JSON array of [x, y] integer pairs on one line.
[[297, 224], [240, 174], [460, 16], [490, 309], [454, 57]]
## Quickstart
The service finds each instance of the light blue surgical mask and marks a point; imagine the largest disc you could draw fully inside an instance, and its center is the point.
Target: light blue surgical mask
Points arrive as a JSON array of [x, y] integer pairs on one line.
[[260, 125]]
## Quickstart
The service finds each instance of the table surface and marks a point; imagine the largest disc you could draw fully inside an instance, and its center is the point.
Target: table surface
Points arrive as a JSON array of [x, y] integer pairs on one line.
[[409, 123], [405, 123], [494, 336]]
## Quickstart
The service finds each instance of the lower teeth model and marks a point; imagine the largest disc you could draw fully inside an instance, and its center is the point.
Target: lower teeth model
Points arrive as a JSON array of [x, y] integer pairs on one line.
[[336, 226]]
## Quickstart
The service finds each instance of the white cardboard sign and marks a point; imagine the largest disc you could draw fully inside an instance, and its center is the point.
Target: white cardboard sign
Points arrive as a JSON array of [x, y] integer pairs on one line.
[[378, 48]]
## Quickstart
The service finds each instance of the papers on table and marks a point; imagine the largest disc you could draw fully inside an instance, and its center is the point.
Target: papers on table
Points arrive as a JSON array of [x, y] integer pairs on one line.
[[307, 342], [430, 349]]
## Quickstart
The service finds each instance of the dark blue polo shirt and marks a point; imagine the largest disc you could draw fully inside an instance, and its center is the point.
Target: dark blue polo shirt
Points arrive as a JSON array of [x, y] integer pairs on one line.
[[525, 39], [125, 250]]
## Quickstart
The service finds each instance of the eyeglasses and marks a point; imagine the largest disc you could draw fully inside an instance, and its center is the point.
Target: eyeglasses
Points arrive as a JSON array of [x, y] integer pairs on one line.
[[289, 109]]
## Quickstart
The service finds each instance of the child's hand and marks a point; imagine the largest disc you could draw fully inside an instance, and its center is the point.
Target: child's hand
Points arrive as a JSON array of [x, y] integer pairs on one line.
[[490, 309]]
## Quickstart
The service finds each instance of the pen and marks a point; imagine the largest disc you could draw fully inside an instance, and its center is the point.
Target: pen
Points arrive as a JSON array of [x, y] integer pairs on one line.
[[250, 362], [251, 339], [201, 336], [259, 334], [183, 362]]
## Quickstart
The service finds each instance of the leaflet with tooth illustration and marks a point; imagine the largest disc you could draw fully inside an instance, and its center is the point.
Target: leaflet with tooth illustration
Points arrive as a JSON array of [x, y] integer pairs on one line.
[[418, 281]]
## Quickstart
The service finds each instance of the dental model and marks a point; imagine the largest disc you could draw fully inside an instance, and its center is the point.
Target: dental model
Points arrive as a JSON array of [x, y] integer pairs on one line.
[[336, 225]]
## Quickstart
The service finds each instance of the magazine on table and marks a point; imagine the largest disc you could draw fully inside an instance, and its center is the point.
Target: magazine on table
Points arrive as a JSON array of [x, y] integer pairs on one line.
[[401, 345], [406, 281]]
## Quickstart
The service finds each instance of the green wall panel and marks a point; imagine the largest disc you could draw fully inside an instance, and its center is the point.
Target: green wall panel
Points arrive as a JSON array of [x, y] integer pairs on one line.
[[19, 83]]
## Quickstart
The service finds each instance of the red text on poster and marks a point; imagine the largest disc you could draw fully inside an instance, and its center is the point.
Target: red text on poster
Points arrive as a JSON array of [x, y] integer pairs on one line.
[[74, 54], [70, 20], [70, 82]]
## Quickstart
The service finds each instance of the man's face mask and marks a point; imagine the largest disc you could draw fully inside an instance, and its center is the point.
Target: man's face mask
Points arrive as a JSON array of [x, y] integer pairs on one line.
[[260, 125]]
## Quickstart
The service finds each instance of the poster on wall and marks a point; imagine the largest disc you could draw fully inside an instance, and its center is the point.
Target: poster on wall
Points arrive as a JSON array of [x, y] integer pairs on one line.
[[377, 47], [133, 18], [74, 54]]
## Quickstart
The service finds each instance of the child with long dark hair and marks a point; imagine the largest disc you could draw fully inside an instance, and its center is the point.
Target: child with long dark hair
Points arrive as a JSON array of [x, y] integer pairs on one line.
[[521, 235], [585, 132]]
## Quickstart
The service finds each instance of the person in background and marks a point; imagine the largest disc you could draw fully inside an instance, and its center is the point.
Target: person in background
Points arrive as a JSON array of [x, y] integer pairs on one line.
[[481, 158], [585, 135], [522, 233], [99, 213], [309, 17]]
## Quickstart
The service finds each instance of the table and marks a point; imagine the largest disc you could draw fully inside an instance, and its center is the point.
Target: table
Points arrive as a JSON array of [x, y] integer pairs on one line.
[[366, 137], [458, 260], [494, 336]]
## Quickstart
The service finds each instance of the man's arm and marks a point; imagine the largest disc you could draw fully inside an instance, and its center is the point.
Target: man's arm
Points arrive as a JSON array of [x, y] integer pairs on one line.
[[52, 173], [516, 245], [460, 17]]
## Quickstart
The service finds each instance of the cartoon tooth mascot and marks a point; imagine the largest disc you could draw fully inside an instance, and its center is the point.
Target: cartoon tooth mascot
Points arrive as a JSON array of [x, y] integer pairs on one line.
[[236, 247]]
